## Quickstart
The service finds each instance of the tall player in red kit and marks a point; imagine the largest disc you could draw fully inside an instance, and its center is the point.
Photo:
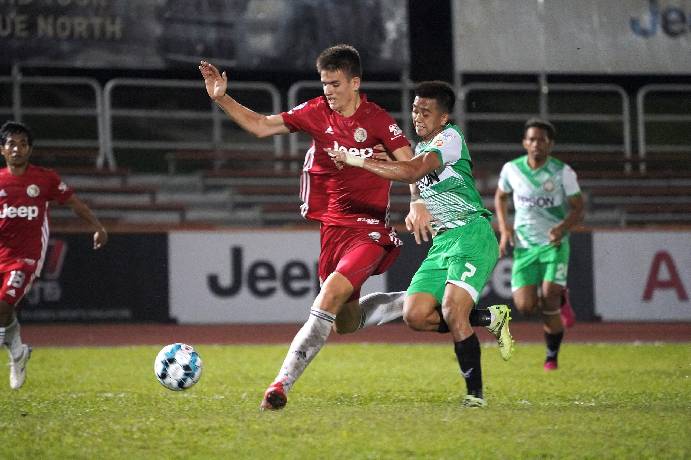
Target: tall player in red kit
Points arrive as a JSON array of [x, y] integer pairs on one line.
[[25, 193], [351, 206]]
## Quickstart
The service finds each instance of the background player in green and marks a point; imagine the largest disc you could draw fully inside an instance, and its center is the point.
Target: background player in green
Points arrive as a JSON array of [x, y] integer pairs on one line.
[[464, 248], [542, 186]]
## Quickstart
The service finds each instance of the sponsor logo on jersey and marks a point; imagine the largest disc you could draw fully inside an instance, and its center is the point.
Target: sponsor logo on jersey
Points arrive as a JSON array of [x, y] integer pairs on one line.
[[428, 181], [11, 212], [329, 130], [3, 192], [535, 201], [368, 220], [360, 135], [364, 153], [33, 191], [395, 130], [548, 186], [12, 292]]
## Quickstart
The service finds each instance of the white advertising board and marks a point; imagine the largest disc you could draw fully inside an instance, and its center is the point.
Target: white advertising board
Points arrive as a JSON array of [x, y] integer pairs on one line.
[[566, 36], [642, 276], [245, 277]]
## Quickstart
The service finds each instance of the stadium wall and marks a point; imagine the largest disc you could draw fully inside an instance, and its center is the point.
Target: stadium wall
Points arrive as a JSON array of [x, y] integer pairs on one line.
[[202, 277]]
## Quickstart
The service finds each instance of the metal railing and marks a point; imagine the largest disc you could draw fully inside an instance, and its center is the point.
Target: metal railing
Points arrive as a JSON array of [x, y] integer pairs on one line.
[[115, 107], [644, 118], [402, 116], [542, 92], [19, 110]]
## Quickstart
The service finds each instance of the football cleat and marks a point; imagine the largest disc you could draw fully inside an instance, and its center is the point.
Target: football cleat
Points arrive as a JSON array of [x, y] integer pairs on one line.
[[18, 368], [473, 401], [568, 316], [274, 397], [551, 365], [499, 327]]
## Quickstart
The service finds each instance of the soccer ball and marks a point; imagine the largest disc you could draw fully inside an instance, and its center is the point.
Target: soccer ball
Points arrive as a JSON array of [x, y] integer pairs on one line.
[[178, 366]]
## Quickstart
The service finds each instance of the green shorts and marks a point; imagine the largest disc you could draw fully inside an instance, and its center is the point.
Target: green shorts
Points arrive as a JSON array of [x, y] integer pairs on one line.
[[532, 266], [464, 256]]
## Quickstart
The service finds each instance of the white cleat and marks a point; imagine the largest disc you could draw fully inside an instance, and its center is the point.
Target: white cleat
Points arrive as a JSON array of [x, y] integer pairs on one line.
[[18, 368]]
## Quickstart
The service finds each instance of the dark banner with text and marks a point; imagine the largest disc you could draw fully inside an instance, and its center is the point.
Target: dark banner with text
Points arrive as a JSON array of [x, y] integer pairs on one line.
[[127, 280], [274, 35]]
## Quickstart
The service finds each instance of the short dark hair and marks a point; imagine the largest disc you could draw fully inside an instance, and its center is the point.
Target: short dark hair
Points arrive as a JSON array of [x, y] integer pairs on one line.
[[440, 91], [14, 127], [341, 57], [544, 125]]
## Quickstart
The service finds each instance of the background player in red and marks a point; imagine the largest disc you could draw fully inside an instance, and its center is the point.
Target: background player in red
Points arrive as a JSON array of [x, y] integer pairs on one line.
[[25, 193], [352, 206]]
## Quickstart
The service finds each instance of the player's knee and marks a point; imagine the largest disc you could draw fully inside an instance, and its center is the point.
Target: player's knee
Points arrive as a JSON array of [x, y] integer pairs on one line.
[[414, 319], [525, 307]]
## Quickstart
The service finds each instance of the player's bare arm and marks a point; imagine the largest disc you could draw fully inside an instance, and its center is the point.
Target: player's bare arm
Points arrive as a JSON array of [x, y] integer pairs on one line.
[[254, 123], [573, 218], [501, 199], [83, 211], [408, 171]]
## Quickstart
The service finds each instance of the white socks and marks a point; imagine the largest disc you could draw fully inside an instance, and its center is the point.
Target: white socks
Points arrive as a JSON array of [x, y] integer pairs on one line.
[[305, 346], [9, 335], [381, 307]]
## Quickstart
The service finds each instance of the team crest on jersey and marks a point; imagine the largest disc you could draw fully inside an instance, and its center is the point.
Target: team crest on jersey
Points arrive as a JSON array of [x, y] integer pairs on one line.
[[33, 191], [360, 135], [62, 187], [439, 142], [376, 236], [548, 186]]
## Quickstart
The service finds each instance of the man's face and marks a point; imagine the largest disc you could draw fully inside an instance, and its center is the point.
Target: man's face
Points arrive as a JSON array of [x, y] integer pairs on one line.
[[16, 150], [428, 119], [537, 144], [339, 89]]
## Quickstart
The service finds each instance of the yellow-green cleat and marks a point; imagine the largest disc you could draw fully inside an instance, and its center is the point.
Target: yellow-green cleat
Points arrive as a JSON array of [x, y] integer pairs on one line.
[[499, 327]]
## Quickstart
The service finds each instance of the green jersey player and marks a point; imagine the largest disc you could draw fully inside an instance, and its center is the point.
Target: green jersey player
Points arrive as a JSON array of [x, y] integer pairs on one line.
[[464, 248], [548, 203]]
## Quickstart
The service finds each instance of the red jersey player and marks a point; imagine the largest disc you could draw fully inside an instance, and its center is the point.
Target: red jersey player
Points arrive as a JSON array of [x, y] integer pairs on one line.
[[25, 193], [352, 208]]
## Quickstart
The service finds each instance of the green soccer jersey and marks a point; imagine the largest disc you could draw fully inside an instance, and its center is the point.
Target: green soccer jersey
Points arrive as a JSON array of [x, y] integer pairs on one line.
[[539, 197], [449, 191]]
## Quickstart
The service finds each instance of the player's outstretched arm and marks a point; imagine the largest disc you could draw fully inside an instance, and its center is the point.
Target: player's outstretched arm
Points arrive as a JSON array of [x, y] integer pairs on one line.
[[402, 171], [83, 211], [260, 125]]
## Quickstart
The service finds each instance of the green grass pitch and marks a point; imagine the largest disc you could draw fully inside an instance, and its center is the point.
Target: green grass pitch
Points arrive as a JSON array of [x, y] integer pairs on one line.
[[361, 401]]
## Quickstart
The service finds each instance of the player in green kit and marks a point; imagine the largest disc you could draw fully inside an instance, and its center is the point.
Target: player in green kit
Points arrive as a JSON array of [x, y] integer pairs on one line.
[[464, 248], [542, 187]]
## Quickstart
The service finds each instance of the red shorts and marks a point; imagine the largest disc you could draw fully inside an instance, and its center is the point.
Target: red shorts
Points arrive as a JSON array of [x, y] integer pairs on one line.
[[16, 281], [356, 253]]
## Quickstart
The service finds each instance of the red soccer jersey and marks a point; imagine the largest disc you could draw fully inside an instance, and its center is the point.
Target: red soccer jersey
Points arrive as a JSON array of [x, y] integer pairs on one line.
[[350, 197], [24, 213]]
